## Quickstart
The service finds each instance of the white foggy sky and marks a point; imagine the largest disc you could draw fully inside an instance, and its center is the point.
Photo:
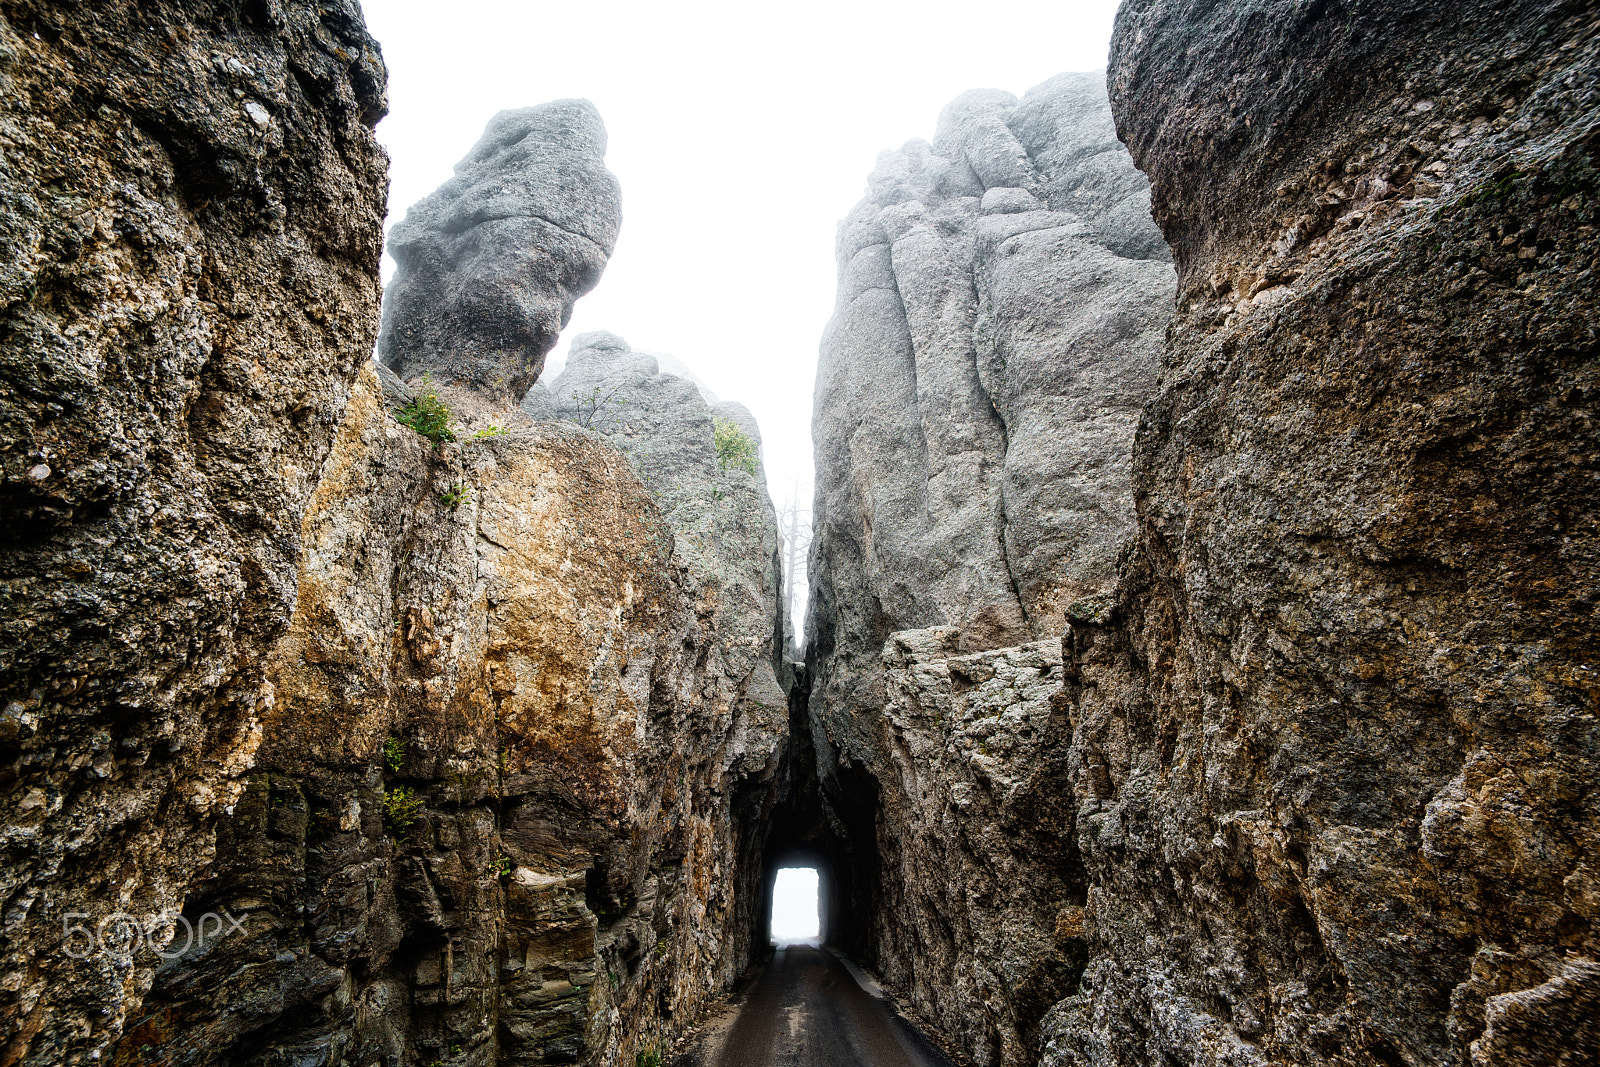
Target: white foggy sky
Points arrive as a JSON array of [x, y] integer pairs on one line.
[[740, 134], [794, 905]]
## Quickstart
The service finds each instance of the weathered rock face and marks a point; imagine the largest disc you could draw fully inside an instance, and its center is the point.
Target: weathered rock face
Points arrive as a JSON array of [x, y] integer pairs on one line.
[[190, 213], [980, 873], [1002, 295], [1336, 730], [490, 265], [509, 805], [471, 741]]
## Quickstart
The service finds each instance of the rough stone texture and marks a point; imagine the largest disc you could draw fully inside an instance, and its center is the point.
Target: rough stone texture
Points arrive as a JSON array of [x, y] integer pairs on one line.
[[1001, 295], [475, 747], [190, 221], [1001, 298], [592, 741], [983, 898], [490, 264], [1336, 730]]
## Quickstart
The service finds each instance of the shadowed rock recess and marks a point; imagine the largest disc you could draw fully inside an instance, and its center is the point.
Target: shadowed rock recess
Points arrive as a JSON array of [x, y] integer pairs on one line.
[[1317, 782], [474, 737]]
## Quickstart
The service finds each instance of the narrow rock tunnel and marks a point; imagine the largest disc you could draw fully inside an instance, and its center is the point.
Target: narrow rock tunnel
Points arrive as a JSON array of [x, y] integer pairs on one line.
[[1200, 661], [837, 839]]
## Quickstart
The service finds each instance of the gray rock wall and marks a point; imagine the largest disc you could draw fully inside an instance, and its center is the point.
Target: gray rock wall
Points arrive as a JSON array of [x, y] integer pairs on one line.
[[1002, 295], [983, 890], [1336, 729], [1322, 748]]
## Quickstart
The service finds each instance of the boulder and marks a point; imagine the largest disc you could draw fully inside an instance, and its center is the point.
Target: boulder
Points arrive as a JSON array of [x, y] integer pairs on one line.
[[489, 265]]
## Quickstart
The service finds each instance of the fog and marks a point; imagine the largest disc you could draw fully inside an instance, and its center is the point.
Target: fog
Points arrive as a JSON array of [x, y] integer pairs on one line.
[[740, 134]]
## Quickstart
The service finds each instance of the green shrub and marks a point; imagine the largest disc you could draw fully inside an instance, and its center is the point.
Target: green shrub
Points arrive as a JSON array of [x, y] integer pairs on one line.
[[734, 448], [487, 431], [455, 496], [400, 807], [428, 415], [394, 752], [650, 1057]]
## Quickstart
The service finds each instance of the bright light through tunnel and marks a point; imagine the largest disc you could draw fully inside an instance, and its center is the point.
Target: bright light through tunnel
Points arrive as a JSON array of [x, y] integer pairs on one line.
[[794, 906]]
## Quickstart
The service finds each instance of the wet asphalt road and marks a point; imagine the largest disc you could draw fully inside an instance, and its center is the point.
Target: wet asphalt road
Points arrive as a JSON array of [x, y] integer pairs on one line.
[[806, 1010]]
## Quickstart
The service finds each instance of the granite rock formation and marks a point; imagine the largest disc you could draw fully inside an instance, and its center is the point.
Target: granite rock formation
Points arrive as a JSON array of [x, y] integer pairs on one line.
[[1001, 297], [397, 750], [1002, 294], [979, 874], [489, 266], [1318, 775], [190, 216], [1336, 729], [509, 804]]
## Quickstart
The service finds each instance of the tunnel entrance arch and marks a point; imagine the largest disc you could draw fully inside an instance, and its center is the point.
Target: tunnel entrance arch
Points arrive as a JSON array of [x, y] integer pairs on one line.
[[788, 860]]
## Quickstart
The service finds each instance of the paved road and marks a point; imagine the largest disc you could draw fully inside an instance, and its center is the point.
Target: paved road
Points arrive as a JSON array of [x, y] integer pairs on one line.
[[806, 1010]]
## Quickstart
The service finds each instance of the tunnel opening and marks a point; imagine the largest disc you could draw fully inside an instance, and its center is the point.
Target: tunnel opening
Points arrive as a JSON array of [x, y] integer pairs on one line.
[[834, 835], [795, 917]]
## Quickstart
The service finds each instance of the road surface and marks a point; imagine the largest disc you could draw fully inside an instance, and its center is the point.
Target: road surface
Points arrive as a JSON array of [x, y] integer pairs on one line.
[[807, 1010]]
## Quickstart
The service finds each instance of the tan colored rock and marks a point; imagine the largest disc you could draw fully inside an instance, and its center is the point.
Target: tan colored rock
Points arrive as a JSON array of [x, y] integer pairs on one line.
[[493, 671], [190, 223]]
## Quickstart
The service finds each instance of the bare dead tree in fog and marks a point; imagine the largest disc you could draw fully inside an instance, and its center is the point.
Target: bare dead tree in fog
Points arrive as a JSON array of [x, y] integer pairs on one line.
[[794, 522]]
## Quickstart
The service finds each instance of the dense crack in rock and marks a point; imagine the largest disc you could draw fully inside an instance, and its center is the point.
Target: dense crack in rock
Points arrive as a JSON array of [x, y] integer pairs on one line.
[[1001, 298], [489, 266], [1336, 729], [190, 215]]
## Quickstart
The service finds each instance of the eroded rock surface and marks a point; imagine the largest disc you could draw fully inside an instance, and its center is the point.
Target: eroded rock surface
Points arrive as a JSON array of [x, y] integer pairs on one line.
[[1323, 751], [981, 873], [1337, 728], [1002, 294], [190, 217], [509, 804], [489, 265], [470, 744], [1001, 297]]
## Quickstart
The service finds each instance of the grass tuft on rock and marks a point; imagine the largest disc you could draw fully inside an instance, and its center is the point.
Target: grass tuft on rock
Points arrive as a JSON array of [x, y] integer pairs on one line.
[[734, 447], [428, 415]]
